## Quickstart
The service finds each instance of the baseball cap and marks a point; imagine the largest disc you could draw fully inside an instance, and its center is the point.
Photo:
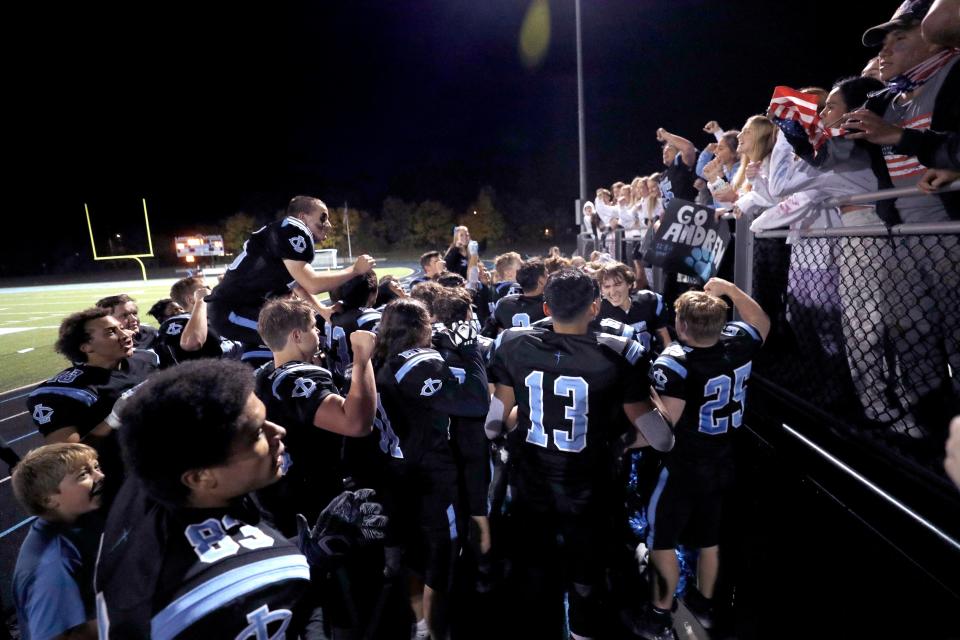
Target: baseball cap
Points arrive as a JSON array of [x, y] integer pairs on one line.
[[909, 14]]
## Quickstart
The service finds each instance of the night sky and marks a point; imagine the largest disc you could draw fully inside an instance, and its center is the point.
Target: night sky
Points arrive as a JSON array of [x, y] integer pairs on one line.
[[210, 111]]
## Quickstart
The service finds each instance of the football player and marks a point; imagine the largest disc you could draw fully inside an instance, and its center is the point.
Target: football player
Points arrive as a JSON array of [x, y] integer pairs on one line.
[[274, 260], [187, 335], [700, 387], [80, 404], [643, 311], [572, 388], [185, 553], [524, 309], [419, 394]]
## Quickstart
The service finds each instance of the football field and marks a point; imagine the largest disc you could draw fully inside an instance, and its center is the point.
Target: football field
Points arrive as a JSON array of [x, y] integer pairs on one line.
[[30, 317]]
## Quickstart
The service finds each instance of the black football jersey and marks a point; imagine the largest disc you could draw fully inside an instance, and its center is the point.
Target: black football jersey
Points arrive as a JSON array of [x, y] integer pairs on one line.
[[258, 273], [171, 353], [82, 396], [646, 316], [458, 364], [169, 573], [416, 395], [518, 311], [713, 382], [489, 295], [292, 394], [337, 332], [570, 391]]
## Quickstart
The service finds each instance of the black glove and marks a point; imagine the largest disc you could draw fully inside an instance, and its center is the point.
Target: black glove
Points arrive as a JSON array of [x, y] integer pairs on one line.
[[350, 519]]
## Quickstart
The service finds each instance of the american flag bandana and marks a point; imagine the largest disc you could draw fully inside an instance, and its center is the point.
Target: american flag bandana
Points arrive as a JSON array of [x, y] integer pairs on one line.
[[790, 105], [917, 76]]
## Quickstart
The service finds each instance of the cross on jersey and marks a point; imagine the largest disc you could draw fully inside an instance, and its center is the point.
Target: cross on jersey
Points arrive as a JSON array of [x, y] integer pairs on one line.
[[303, 388], [260, 618], [298, 243], [659, 378], [42, 414], [430, 387]]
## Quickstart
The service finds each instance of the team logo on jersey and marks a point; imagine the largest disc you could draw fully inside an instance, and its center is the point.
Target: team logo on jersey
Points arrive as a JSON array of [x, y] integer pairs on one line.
[[659, 379], [730, 330], [260, 619], [430, 387], [303, 388], [68, 376], [174, 329], [298, 243], [42, 414]]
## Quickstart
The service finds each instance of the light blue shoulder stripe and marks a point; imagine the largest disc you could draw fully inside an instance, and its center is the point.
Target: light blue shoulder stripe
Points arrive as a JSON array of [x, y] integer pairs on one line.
[[220, 591], [670, 363], [414, 361], [256, 353], [84, 396], [368, 317], [241, 321]]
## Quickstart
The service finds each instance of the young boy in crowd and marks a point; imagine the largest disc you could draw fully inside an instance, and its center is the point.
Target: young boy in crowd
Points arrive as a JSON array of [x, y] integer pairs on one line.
[[53, 579]]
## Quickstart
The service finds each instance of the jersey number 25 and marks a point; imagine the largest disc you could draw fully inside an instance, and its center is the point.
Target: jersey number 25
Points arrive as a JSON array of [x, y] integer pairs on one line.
[[720, 386]]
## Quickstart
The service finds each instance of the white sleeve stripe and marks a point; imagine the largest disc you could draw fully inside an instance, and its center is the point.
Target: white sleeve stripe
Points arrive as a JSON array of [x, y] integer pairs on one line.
[[414, 361], [298, 224]]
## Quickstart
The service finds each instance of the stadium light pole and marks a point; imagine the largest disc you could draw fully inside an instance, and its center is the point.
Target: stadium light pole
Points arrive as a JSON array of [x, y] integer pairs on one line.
[[580, 114]]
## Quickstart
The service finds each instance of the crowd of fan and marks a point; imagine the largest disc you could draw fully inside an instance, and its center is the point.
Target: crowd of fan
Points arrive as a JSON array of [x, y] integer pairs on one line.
[[882, 311]]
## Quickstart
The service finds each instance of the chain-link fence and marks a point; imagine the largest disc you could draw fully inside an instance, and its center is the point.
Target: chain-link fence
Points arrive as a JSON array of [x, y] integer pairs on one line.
[[866, 327]]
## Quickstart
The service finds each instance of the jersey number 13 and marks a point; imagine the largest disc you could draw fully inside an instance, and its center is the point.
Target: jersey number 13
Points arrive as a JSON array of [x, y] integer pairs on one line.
[[576, 389]]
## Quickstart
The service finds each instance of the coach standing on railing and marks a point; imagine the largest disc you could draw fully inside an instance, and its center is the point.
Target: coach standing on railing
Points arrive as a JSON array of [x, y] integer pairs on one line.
[[275, 260]]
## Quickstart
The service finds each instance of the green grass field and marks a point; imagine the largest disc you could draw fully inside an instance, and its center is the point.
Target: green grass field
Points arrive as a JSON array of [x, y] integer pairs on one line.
[[30, 316]]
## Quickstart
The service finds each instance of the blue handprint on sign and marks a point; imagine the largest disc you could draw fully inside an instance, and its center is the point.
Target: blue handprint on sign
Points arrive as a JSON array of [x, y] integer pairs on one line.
[[701, 261]]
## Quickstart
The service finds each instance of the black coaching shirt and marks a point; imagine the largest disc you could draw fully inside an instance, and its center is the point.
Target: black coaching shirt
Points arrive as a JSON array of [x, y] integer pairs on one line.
[[570, 391], [258, 273], [292, 394], [713, 382]]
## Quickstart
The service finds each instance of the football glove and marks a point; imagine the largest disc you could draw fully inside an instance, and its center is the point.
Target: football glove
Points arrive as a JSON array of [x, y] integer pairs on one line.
[[350, 519]]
